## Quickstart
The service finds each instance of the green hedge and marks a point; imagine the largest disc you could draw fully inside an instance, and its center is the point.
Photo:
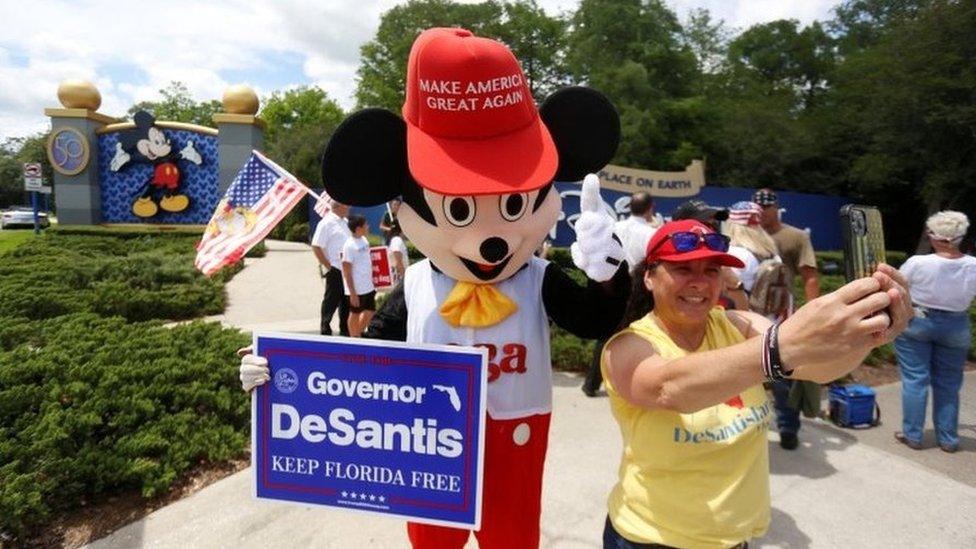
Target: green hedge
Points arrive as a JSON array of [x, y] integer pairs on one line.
[[96, 396], [142, 277], [92, 405]]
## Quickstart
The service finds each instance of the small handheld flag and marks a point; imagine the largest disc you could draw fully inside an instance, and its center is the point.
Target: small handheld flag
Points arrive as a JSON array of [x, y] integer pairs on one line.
[[261, 195], [323, 205]]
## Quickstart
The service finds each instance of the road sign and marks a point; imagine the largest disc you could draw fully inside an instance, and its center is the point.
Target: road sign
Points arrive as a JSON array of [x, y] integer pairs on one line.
[[32, 169], [33, 183]]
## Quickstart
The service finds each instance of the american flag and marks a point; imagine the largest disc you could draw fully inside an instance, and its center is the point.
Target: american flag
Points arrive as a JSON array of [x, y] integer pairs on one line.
[[745, 213], [260, 195]]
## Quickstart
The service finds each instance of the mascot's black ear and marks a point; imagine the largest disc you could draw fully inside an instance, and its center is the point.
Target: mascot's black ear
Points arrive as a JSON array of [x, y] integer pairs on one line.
[[586, 129], [365, 162]]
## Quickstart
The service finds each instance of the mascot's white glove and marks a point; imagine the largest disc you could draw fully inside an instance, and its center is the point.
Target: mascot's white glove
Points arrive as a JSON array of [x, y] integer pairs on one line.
[[596, 251], [120, 158], [254, 369], [191, 154]]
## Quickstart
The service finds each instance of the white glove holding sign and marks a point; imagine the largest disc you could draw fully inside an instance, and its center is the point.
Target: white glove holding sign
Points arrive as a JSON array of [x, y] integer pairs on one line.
[[597, 252], [254, 369]]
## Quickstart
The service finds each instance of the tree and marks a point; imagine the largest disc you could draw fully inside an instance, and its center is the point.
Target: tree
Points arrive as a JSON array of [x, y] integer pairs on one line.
[[707, 40], [785, 57], [535, 38], [383, 61], [178, 105], [11, 179], [298, 109], [907, 103], [538, 42], [860, 24], [14, 153], [631, 50], [300, 123]]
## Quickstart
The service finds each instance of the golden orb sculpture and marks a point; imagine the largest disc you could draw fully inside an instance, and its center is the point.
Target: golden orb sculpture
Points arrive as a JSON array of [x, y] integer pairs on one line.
[[79, 94], [240, 99]]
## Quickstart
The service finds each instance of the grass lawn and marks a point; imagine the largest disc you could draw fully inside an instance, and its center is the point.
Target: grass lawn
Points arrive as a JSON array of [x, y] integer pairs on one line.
[[10, 239]]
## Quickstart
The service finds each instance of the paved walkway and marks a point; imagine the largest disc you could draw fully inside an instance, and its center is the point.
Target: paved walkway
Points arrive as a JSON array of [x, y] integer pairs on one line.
[[842, 488]]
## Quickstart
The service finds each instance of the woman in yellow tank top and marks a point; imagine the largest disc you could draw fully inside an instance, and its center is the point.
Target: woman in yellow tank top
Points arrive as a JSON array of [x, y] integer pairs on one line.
[[685, 385]]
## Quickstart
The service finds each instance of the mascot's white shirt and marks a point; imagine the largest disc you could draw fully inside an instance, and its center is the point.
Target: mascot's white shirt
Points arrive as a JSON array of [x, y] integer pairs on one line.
[[520, 368]]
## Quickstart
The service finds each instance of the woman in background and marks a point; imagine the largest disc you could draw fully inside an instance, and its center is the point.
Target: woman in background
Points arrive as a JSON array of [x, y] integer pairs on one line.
[[933, 349], [748, 241]]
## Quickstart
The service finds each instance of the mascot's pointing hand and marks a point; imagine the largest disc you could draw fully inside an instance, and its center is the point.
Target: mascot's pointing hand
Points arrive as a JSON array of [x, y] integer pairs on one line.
[[597, 252]]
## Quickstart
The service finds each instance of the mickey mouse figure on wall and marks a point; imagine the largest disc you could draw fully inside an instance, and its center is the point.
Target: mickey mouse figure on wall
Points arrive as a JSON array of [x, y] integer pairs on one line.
[[147, 143]]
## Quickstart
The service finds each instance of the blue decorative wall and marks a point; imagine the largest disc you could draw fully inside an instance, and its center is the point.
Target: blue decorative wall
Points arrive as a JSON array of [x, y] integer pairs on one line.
[[818, 213], [120, 189]]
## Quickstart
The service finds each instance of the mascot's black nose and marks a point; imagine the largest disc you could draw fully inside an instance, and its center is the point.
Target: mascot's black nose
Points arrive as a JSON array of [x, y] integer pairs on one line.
[[494, 249]]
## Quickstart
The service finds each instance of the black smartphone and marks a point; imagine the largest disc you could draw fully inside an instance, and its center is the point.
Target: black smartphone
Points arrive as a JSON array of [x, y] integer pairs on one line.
[[864, 246]]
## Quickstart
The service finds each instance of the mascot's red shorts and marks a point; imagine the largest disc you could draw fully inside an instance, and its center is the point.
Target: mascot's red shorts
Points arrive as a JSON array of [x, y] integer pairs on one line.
[[515, 452], [166, 176]]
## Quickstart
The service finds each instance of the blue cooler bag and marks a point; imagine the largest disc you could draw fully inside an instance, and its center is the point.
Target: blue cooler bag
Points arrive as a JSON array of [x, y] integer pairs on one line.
[[853, 406]]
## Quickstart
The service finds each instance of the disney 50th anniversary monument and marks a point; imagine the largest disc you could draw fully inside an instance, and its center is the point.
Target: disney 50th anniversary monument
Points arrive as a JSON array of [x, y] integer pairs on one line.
[[148, 170]]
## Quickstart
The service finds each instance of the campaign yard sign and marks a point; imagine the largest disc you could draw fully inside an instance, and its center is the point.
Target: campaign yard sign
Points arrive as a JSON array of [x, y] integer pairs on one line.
[[379, 256], [371, 426]]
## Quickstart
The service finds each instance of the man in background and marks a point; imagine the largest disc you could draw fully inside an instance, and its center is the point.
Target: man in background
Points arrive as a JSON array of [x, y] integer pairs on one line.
[[635, 231], [796, 252], [330, 235], [634, 234], [389, 221], [700, 211]]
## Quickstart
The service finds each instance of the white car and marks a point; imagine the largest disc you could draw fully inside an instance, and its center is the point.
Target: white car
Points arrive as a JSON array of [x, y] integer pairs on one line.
[[21, 216]]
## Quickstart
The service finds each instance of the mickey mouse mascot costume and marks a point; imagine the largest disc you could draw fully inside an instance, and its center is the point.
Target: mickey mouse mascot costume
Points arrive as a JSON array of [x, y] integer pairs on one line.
[[474, 162]]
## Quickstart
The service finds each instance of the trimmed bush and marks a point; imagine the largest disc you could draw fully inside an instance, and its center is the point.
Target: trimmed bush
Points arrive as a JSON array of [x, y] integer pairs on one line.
[[298, 233], [93, 401], [92, 405], [138, 278], [569, 353]]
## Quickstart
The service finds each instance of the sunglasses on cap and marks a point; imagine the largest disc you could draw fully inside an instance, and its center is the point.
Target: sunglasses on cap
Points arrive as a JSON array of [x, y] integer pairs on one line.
[[687, 241]]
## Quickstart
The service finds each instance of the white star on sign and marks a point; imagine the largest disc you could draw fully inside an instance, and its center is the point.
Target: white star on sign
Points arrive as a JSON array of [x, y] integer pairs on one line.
[[372, 498], [382, 499], [345, 494]]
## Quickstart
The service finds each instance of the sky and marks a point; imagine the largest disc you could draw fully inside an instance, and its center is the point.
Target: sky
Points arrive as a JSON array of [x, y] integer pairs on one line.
[[131, 49]]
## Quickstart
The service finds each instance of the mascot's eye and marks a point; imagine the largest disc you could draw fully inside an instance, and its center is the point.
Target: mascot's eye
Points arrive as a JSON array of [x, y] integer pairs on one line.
[[459, 210], [512, 206]]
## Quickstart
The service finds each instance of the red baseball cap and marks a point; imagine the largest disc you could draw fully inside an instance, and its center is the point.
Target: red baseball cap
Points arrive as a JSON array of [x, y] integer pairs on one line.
[[661, 247], [472, 125]]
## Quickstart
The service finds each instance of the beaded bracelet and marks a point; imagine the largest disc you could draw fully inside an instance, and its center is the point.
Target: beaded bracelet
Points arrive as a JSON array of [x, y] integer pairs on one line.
[[772, 364]]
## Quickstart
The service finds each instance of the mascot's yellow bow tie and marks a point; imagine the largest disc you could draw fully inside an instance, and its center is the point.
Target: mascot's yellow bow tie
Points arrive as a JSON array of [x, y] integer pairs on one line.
[[476, 306]]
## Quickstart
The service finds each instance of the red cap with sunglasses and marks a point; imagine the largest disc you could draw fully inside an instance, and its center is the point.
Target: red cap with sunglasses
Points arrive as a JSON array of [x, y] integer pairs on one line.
[[688, 240]]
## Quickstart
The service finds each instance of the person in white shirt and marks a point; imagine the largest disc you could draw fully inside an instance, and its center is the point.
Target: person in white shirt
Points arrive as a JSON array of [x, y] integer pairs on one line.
[[330, 235], [636, 231], [357, 273], [397, 252], [933, 350], [634, 234]]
